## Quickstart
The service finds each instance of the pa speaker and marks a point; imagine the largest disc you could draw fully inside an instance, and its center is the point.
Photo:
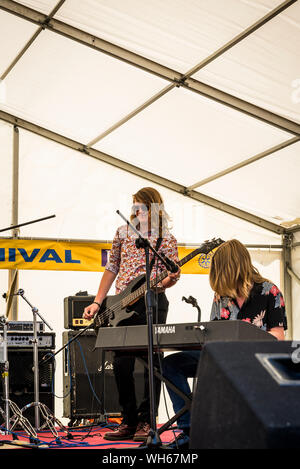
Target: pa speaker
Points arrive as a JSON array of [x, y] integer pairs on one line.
[[247, 396], [90, 392], [21, 379]]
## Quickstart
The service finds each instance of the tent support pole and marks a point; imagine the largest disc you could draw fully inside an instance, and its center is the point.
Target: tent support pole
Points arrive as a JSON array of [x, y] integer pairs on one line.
[[287, 281], [13, 315]]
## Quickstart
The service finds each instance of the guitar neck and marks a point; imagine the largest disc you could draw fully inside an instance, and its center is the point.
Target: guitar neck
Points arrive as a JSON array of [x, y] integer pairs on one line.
[[164, 274], [141, 290]]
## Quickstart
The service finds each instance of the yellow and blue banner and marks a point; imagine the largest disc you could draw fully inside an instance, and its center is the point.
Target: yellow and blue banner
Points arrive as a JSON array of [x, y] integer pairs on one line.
[[70, 255], [199, 264]]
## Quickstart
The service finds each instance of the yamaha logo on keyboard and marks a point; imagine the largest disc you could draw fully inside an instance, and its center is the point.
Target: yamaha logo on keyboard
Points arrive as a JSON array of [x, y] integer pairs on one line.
[[165, 329]]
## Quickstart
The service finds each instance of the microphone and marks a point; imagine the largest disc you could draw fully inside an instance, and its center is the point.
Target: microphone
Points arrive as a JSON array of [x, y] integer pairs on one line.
[[194, 303], [190, 300]]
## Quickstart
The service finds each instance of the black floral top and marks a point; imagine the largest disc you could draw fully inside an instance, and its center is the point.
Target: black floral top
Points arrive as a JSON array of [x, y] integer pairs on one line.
[[264, 307]]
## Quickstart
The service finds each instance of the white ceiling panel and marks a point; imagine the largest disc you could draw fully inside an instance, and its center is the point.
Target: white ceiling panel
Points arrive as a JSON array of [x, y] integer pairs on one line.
[[186, 137], [175, 33], [265, 67], [74, 90], [14, 34], [44, 6], [268, 188]]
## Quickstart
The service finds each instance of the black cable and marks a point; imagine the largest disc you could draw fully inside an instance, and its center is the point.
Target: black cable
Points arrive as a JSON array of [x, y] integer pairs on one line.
[[159, 357]]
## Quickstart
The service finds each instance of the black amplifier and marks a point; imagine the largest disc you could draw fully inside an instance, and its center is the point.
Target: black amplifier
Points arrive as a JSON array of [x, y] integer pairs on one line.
[[25, 326], [73, 311], [20, 339]]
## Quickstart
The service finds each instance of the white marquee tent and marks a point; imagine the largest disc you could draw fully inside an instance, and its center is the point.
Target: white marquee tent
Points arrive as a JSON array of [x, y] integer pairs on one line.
[[200, 99]]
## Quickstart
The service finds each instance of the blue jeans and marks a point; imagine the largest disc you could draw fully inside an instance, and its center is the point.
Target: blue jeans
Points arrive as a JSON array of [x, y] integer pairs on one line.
[[177, 368]]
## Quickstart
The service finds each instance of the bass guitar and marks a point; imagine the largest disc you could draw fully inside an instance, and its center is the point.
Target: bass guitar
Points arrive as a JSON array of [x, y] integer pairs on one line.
[[118, 308]]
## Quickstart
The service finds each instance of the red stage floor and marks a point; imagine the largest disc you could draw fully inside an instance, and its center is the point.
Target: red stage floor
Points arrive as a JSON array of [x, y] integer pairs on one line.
[[79, 438]]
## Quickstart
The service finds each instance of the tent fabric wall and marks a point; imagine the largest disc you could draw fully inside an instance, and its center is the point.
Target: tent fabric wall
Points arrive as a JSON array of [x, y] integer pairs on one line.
[[149, 119], [84, 194], [6, 149]]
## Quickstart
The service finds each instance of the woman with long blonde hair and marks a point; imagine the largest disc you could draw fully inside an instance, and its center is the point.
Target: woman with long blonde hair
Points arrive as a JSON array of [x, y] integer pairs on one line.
[[242, 293]]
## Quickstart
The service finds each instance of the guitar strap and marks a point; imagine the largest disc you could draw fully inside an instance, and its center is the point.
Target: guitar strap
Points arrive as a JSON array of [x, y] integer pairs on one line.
[[158, 243]]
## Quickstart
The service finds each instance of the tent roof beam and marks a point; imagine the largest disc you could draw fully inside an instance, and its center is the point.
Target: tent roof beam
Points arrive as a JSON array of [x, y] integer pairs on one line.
[[137, 171], [246, 162], [150, 66]]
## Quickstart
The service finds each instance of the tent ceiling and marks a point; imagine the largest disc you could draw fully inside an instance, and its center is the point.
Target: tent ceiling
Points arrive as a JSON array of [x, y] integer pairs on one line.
[[80, 92], [13, 42], [75, 97], [180, 36], [244, 72], [202, 136]]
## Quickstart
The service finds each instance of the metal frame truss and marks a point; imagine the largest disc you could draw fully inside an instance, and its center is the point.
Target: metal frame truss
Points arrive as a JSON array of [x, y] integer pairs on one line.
[[174, 79]]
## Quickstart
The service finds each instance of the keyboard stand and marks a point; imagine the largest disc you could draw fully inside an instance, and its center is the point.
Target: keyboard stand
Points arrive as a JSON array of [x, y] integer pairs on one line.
[[187, 398]]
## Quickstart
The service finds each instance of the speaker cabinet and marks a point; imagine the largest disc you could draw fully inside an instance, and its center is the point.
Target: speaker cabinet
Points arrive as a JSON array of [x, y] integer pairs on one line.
[[247, 396], [21, 380], [89, 392]]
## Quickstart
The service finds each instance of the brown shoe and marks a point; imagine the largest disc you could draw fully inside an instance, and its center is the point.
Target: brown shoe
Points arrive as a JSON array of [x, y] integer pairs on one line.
[[142, 431], [123, 432]]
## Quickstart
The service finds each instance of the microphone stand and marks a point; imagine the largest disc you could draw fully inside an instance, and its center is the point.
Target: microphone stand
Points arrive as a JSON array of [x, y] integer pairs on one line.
[[5, 374], [191, 300], [39, 406], [36, 402], [10, 405], [153, 439], [194, 303], [26, 223], [3, 321]]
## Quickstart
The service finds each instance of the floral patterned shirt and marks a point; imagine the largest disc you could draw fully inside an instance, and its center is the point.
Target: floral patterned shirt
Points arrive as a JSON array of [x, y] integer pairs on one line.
[[264, 307], [128, 262]]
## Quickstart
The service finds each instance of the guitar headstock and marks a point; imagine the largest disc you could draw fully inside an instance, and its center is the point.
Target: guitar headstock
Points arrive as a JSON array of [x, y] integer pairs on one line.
[[205, 248], [209, 246]]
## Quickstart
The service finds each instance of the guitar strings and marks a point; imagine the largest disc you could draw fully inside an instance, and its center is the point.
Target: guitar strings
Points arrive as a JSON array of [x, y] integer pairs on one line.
[[107, 312]]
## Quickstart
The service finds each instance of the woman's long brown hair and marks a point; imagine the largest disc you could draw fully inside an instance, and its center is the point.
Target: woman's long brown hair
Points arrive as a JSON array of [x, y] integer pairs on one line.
[[232, 273], [158, 217]]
